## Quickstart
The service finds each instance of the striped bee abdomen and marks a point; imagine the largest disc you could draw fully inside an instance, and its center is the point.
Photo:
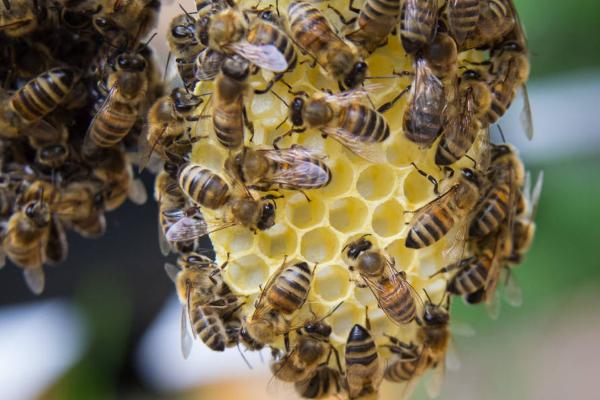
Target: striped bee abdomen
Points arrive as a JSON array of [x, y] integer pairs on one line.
[[430, 227], [364, 123], [492, 211], [203, 186], [290, 289]]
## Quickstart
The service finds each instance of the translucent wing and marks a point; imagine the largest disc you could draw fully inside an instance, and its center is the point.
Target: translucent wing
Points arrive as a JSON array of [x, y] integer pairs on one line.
[[259, 303], [34, 277], [187, 229], [526, 115], [351, 96], [429, 89], [535, 195], [512, 291], [105, 105], [267, 56], [416, 12], [146, 148], [436, 380], [172, 271], [493, 305], [163, 243], [186, 338], [370, 151], [137, 192], [299, 168], [462, 329], [208, 64]]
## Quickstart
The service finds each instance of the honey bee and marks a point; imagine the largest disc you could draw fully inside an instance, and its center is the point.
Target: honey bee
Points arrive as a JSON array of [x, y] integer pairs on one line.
[[127, 84], [167, 120], [181, 37], [463, 17], [267, 30], [312, 350], [293, 168], [81, 208], [50, 143], [376, 20], [495, 20], [341, 116], [116, 176], [36, 99], [26, 241], [229, 113], [337, 57], [20, 18], [394, 294], [324, 383], [283, 295], [225, 31], [458, 136], [418, 24], [209, 190], [434, 337], [404, 361], [432, 90], [364, 369], [506, 178], [124, 22], [434, 220]]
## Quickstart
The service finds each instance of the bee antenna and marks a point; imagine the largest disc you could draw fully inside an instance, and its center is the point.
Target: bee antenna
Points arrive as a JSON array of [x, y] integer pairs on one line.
[[243, 356], [145, 45], [167, 68], [282, 100], [187, 14], [473, 160], [427, 295], [501, 133]]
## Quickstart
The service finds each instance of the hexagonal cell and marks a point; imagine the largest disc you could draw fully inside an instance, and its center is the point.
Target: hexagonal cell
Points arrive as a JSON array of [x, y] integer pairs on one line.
[[376, 182], [345, 317], [208, 154], [277, 241], [268, 110], [417, 189], [233, 240], [247, 273], [314, 141], [331, 282], [388, 218], [319, 245], [403, 256], [342, 176], [364, 296], [380, 323], [400, 152], [348, 214], [302, 213]]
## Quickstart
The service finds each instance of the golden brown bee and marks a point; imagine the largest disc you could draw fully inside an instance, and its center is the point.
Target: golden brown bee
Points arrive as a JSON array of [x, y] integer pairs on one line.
[[126, 21], [116, 175], [404, 361], [498, 204], [434, 220], [266, 29], [294, 168], [127, 86], [184, 46], [338, 58], [26, 240], [50, 143], [36, 99], [394, 294], [167, 120], [81, 208], [418, 24], [463, 17], [229, 112], [342, 116], [283, 295], [325, 382], [225, 31], [376, 20], [496, 19], [209, 190], [523, 229], [474, 100], [21, 17], [364, 369], [433, 90]]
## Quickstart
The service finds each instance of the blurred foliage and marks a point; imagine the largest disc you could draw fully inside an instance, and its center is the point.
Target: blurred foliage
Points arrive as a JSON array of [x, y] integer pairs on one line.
[[560, 34]]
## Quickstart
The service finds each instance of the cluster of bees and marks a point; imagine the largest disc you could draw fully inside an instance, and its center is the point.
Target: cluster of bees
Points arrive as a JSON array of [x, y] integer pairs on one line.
[[452, 101], [75, 85]]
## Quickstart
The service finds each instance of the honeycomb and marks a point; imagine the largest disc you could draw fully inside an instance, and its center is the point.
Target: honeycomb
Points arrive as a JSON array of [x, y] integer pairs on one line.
[[363, 198]]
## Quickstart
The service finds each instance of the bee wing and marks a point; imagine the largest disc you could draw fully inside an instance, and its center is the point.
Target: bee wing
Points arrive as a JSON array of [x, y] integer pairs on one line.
[[357, 94], [259, 302], [208, 64], [172, 271], [35, 279], [187, 229], [146, 148], [370, 151], [535, 195], [186, 338], [428, 88], [163, 243], [137, 192], [493, 305], [526, 115], [417, 11], [105, 105], [434, 384], [512, 291], [267, 56], [300, 173]]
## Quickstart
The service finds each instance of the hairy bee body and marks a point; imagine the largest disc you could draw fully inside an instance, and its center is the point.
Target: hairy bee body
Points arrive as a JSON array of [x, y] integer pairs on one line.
[[203, 186], [463, 17], [364, 370], [418, 24], [364, 123], [404, 363], [375, 21], [496, 20], [323, 383], [265, 30], [290, 288], [471, 275]]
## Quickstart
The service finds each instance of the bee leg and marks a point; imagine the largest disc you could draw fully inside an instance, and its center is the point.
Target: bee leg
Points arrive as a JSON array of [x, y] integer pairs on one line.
[[248, 123], [385, 107], [343, 20], [291, 91], [337, 359], [430, 178], [313, 63], [352, 8], [269, 85], [367, 320], [304, 194], [286, 341]]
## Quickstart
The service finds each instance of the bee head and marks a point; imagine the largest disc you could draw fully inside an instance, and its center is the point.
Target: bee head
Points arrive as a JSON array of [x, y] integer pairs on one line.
[[471, 74], [470, 175], [54, 154], [38, 212], [267, 216], [183, 101], [500, 151], [131, 62], [357, 247], [296, 111], [182, 33], [435, 315], [105, 26], [236, 67], [318, 329], [267, 15], [356, 75]]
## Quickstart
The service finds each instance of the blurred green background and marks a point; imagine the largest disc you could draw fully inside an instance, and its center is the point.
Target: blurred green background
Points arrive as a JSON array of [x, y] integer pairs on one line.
[[546, 349]]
